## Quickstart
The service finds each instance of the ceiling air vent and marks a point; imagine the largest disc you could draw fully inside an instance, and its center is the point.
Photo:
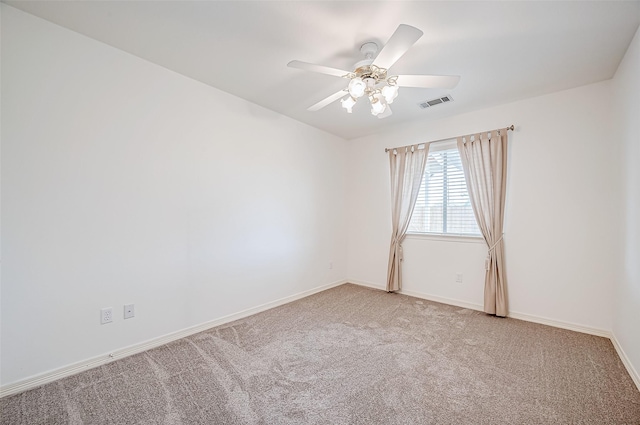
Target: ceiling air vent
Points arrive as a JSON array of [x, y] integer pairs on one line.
[[429, 103]]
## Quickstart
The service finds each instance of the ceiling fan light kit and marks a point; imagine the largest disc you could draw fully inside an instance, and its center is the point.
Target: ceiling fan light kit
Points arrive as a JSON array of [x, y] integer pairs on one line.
[[371, 81], [370, 77]]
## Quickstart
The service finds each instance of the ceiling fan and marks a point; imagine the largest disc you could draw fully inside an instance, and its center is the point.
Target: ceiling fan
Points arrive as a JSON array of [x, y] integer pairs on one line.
[[371, 77]]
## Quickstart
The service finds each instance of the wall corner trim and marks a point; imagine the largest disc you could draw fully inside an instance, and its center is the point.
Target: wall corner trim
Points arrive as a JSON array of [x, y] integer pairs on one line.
[[65, 371], [625, 361]]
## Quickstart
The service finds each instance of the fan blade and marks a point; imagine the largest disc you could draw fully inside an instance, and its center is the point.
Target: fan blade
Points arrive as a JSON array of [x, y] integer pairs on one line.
[[318, 68], [401, 40], [326, 101], [386, 113], [428, 81]]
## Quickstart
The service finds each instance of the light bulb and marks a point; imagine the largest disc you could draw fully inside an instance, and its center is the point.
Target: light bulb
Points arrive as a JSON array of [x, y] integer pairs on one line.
[[347, 103], [357, 87], [390, 93]]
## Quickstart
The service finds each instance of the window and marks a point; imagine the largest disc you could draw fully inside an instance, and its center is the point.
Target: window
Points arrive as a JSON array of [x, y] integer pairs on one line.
[[443, 205]]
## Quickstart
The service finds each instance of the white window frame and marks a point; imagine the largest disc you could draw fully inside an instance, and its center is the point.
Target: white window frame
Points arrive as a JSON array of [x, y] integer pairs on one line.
[[447, 237]]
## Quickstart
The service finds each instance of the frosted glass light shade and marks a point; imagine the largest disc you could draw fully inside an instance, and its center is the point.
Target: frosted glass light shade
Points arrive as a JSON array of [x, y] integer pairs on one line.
[[347, 103], [357, 87], [390, 93], [377, 104]]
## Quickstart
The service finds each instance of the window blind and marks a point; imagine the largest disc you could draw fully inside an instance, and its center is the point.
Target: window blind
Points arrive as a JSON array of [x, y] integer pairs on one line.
[[443, 205]]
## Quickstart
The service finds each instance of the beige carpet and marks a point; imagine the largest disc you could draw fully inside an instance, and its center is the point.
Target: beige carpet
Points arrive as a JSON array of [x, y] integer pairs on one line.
[[351, 355]]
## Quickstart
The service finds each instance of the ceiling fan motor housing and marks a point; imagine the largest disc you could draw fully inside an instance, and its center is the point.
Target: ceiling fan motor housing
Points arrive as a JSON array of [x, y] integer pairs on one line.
[[369, 51]]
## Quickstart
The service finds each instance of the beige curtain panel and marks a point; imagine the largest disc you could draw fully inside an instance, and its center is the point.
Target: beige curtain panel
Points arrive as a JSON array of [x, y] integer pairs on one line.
[[484, 160], [407, 167]]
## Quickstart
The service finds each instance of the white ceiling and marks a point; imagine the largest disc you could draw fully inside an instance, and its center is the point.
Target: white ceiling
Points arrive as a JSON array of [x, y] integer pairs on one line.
[[504, 51]]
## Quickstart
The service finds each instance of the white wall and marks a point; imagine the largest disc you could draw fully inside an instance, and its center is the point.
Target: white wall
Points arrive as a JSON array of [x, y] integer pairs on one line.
[[626, 312], [561, 225], [123, 182]]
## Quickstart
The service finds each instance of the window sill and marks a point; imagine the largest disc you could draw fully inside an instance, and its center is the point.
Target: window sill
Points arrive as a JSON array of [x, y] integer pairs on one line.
[[446, 238]]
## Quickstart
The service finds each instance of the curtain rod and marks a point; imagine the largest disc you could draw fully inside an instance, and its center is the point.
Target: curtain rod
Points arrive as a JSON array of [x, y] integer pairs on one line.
[[511, 127]]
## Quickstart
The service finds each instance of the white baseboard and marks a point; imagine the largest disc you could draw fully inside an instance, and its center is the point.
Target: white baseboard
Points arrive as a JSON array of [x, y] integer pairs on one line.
[[480, 307], [366, 284], [443, 300], [45, 378], [560, 324], [625, 361], [63, 372], [436, 298]]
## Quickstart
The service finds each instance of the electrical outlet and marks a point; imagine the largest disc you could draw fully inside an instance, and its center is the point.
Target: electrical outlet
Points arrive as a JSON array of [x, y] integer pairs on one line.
[[106, 315], [129, 312], [459, 278]]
